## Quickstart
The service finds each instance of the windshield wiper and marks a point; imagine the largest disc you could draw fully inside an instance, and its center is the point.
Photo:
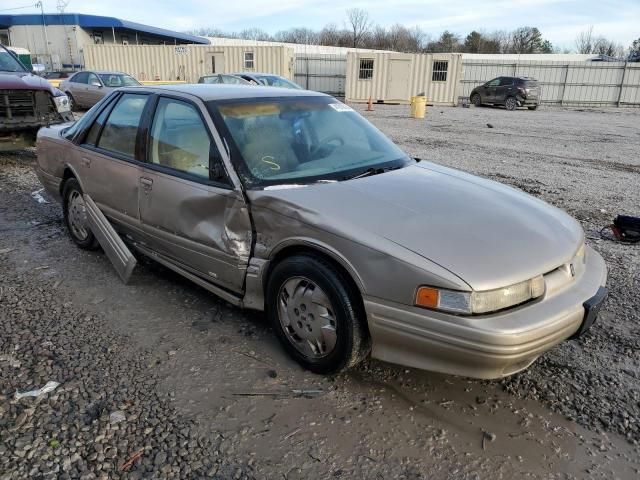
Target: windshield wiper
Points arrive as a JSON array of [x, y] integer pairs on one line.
[[370, 172]]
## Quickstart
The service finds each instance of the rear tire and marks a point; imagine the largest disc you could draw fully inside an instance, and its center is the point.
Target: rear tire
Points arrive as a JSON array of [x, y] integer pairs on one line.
[[476, 100], [317, 315], [511, 103], [74, 211]]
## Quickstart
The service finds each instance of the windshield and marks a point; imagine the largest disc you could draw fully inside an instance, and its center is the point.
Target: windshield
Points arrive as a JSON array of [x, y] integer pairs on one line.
[[8, 62], [275, 81], [116, 80], [303, 140]]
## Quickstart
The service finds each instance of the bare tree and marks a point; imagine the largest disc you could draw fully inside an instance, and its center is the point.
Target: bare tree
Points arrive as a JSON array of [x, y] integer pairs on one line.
[[604, 46], [254, 34], [359, 25], [585, 41], [329, 35], [298, 35]]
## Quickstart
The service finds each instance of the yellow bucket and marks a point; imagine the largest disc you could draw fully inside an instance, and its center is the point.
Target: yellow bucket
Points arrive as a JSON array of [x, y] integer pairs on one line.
[[418, 106]]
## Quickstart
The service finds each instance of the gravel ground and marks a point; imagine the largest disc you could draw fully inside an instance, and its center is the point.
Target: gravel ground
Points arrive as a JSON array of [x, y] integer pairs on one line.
[[198, 388], [586, 162]]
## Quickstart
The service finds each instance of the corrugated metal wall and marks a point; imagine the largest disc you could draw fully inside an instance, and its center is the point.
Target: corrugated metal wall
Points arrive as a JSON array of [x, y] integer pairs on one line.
[[322, 73], [185, 62], [388, 83], [564, 83]]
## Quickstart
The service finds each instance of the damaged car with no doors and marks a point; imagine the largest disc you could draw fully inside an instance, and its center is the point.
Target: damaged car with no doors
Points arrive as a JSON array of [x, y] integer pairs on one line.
[[290, 202]]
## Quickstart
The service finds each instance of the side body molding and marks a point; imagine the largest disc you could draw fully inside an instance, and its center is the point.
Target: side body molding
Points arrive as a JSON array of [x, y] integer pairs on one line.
[[117, 252]]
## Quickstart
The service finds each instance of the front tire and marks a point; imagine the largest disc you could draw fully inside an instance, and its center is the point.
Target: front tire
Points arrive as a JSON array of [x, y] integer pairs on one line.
[[75, 216], [317, 315], [476, 100], [511, 103], [533, 107]]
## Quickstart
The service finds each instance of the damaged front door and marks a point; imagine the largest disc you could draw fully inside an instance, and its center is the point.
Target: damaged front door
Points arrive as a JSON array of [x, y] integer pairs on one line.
[[188, 207]]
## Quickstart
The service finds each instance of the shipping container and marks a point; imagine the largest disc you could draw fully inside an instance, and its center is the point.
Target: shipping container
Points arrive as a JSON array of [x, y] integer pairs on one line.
[[395, 77], [188, 62]]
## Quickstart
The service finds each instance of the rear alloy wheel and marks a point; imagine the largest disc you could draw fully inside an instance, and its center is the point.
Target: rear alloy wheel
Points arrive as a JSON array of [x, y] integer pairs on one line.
[[476, 100], [511, 103], [317, 316], [75, 216]]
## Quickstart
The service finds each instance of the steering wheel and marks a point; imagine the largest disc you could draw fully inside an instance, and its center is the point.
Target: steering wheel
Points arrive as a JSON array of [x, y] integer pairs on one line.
[[327, 142]]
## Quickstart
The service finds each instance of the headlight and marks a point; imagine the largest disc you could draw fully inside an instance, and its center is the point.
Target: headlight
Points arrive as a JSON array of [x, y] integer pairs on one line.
[[469, 303], [62, 103]]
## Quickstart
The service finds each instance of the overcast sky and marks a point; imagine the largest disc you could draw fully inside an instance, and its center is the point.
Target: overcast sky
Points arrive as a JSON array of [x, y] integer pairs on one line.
[[559, 20]]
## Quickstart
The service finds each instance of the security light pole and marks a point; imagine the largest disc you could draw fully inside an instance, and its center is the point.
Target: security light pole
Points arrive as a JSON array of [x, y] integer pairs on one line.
[[44, 31]]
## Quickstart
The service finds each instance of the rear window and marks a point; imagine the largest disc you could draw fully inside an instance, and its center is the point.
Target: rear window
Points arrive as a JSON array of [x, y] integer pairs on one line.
[[530, 83]]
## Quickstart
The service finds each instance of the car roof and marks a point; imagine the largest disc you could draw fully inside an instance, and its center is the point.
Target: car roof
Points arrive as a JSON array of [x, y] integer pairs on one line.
[[216, 74], [258, 74], [208, 92], [103, 72]]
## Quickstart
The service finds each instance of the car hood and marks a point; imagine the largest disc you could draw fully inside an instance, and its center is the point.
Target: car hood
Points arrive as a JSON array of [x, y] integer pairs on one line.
[[488, 234], [23, 81]]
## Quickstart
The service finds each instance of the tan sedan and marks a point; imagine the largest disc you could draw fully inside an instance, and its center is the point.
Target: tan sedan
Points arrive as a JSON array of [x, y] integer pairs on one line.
[[86, 88], [290, 202]]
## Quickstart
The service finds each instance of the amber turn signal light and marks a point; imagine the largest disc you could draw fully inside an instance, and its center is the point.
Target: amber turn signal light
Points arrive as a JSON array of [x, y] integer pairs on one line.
[[427, 297]]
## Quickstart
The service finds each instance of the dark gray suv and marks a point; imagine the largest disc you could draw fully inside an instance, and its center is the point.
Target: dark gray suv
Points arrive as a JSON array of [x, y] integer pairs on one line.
[[512, 92]]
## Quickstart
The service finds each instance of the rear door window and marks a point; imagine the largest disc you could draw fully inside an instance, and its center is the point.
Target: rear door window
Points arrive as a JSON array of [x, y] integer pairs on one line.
[[506, 81], [81, 77], [93, 79], [121, 128]]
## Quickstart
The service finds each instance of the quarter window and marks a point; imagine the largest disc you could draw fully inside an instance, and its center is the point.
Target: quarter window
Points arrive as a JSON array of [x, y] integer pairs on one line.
[[96, 128], [180, 140], [248, 60], [120, 131], [439, 71], [366, 69]]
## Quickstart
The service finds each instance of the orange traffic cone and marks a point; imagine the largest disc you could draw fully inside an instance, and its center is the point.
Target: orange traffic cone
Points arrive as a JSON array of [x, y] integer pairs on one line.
[[370, 105]]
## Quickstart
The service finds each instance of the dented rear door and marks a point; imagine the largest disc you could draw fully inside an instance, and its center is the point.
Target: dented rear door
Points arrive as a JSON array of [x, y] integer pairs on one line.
[[189, 211]]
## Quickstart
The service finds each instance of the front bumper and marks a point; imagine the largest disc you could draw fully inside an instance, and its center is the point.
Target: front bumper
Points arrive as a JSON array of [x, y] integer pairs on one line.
[[487, 346]]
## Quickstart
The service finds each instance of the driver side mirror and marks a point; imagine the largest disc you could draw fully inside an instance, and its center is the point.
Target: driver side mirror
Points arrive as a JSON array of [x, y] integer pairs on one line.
[[95, 83]]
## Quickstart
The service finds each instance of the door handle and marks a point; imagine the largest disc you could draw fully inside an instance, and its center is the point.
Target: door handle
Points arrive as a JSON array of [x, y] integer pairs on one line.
[[86, 162], [147, 183]]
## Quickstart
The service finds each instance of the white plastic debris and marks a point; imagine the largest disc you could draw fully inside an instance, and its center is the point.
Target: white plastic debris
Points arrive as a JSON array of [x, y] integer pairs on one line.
[[117, 417], [37, 196], [49, 387]]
